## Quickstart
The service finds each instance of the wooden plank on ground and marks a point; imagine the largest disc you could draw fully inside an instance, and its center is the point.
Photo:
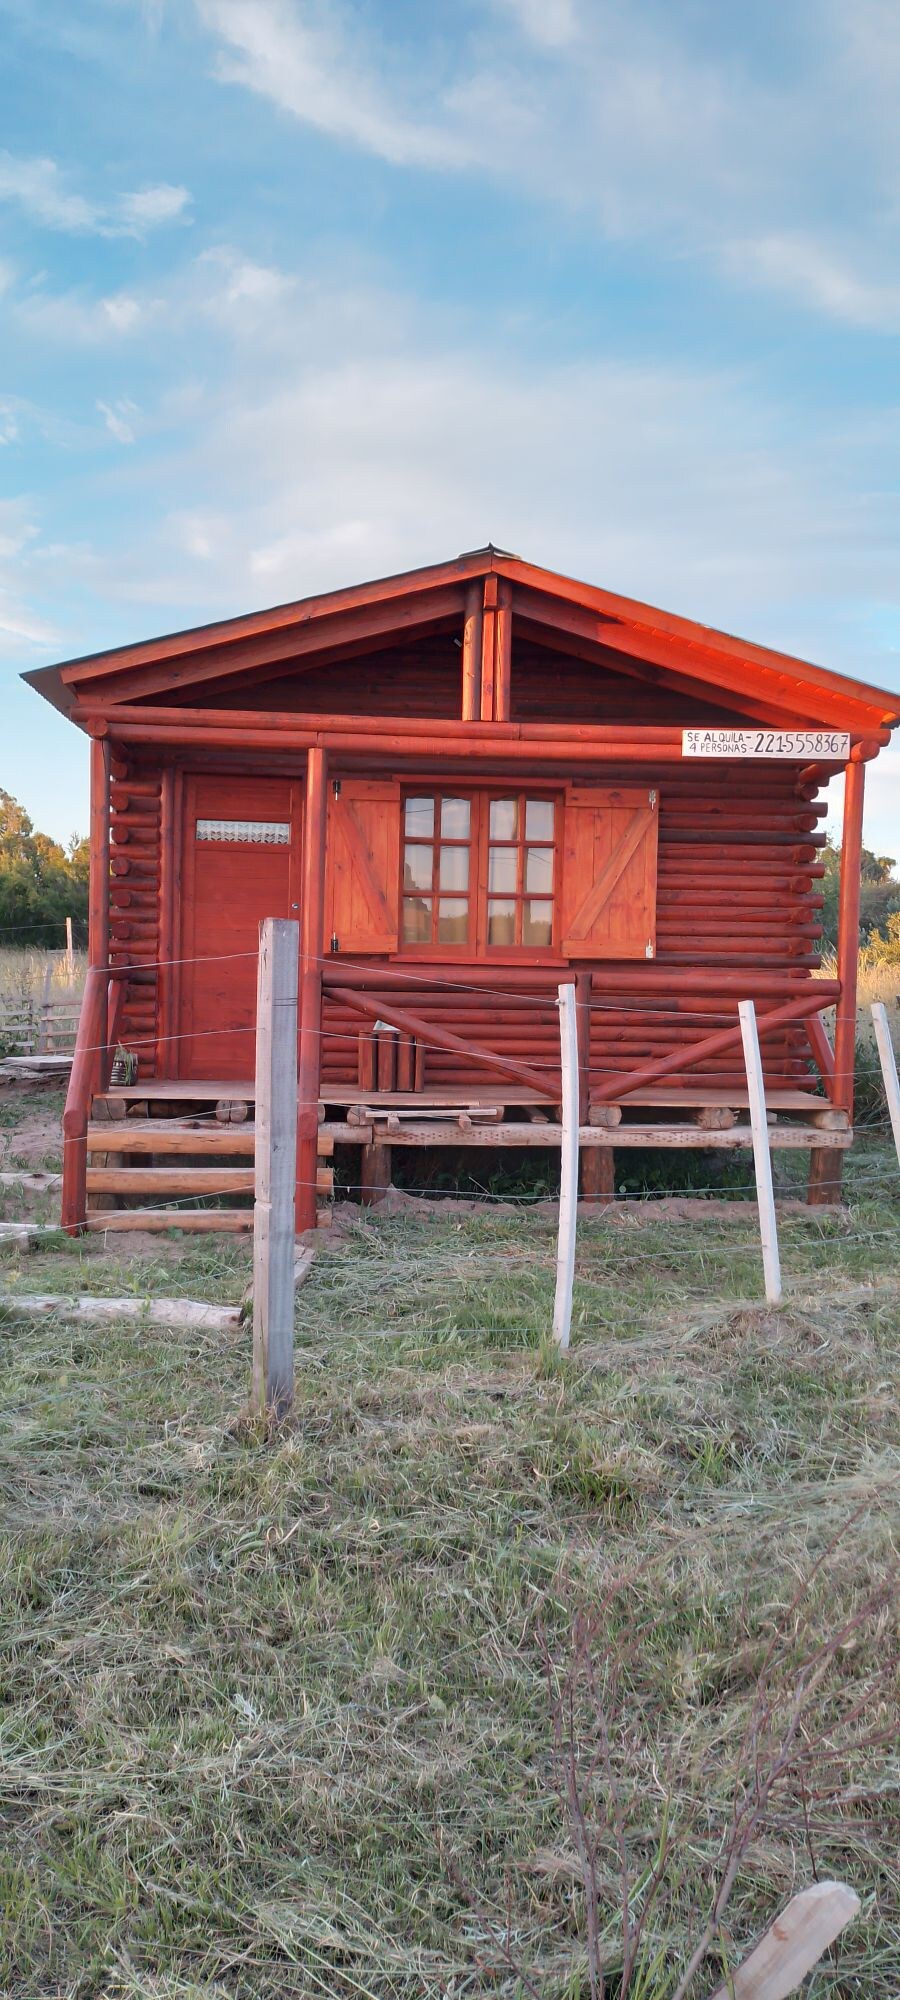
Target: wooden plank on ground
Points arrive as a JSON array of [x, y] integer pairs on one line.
[[159, 1312], [793, 1944]]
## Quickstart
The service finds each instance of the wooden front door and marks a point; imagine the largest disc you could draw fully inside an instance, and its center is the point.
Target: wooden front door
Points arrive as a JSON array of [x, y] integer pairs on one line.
[[241, 863]]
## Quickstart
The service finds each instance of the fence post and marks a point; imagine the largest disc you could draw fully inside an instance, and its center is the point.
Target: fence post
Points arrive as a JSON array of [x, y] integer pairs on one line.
[[888, 1062], [45, 1014], [762, 1158], [276, 1166], [568, 1166], [70, 954]]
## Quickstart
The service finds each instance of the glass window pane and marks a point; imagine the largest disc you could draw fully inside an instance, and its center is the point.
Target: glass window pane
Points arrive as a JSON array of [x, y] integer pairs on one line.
[[419, 819], [502, 865], [501, 921], [539, 870], [453, 920], [539, 819], [504, 819], [455, 868], [537, 923], [455, 816], [417, 863], [417, 920]]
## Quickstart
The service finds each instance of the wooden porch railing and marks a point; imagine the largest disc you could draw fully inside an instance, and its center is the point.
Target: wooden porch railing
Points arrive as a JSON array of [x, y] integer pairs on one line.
[[95, 1041]]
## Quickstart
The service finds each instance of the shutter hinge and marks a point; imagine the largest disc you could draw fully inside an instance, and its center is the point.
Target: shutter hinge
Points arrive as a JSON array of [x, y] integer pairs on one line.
[[336, 788], [652, 800], [335, 941], [648, 948]]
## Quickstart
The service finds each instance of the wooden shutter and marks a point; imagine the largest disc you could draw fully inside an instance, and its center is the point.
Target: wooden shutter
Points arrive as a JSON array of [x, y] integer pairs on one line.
[[363, 877], [609, 873]]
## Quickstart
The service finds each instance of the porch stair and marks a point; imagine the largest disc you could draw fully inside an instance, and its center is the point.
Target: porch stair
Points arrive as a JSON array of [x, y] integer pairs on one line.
[[178, 1170]]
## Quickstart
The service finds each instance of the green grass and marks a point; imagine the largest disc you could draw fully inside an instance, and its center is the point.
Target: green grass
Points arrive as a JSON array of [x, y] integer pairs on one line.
[[274, 1716]]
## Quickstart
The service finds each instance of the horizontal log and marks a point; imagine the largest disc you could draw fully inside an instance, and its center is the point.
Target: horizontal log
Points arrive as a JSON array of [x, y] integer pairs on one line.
[[191, 1220], [694, 1138], [152, 1181]]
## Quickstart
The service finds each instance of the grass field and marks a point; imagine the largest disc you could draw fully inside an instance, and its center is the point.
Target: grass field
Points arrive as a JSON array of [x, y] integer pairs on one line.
[[297, 1716]]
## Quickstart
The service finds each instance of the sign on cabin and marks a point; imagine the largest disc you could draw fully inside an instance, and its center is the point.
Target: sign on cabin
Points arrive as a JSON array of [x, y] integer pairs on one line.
[[765, 743]]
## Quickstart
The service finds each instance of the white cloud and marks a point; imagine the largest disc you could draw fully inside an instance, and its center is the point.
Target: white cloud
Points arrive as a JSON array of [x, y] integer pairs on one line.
[[39, 187], [818, 277], [119, 418], [305, 61], [20, 625], [551, 24], [640, 120], [152, 205]]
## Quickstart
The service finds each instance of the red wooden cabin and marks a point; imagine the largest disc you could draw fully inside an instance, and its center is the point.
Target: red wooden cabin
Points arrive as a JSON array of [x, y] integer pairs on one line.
[[468, 782]]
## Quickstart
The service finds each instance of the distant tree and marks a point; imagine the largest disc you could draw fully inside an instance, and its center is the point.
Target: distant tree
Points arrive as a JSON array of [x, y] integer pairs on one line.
[[41, 884], [879, 891]]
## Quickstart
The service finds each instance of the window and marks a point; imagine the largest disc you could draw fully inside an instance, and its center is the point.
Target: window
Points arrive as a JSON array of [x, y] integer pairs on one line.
[[505, 844], [437, 846], [252, 832]]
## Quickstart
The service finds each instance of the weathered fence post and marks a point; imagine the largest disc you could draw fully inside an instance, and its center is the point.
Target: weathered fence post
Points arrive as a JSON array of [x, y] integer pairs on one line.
[[762, 1158], [888, 1062], [70, 954], [568, 1167], [276, 1166]]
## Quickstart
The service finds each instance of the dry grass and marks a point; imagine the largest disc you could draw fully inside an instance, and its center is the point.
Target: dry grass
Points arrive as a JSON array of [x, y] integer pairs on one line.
[[275, 1714]]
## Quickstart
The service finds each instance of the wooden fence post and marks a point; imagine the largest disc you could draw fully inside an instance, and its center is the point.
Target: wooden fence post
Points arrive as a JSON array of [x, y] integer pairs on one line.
[[70, 954], [276, 1166], [568, 1167], [888, 1062], [762, 1158]]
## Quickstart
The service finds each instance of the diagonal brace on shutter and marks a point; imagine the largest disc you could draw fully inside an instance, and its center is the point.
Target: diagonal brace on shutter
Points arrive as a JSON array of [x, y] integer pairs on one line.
[[600, 891]]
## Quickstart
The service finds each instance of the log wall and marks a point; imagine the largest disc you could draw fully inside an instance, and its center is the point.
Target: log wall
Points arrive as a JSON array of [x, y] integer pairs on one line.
[[134, 926], [737, 895]]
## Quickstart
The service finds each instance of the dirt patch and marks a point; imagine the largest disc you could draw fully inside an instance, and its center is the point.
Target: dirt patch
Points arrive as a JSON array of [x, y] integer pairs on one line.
[[31, 1126]]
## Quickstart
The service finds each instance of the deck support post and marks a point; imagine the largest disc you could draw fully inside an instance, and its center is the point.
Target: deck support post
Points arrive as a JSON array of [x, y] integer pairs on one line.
[[98, 878], [825, 1165], [312, 925], [374, 1173], [598, 1175]]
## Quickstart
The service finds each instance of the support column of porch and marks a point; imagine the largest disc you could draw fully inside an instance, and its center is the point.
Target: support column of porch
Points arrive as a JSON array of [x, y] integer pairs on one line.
[[312, 918], [825, 1163], [98, 880]]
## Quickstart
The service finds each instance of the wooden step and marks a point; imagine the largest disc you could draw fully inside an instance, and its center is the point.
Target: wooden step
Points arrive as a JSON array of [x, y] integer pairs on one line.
[[176, 1180], [169, 1135], [170, 1218]]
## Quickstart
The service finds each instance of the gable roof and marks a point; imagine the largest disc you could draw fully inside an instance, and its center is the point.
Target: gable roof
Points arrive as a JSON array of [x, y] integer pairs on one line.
[[557, 610]]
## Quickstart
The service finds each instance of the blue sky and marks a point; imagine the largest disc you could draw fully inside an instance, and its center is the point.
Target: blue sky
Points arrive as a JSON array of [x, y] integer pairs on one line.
[[292, 294]]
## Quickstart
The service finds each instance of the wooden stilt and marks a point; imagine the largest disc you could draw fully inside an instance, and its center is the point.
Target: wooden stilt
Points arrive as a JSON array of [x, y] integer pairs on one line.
[[312, 916], [374, 1173], [598, 1175], [825, 1166]]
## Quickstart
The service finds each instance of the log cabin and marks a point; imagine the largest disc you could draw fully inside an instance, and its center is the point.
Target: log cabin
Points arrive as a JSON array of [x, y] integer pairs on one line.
[[468, 783]]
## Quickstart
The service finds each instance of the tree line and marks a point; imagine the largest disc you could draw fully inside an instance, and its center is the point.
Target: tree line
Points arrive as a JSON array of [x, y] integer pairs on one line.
[[41, 883]]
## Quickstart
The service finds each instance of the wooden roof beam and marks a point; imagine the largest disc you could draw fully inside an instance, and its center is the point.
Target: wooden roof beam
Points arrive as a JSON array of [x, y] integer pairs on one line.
[[648, 618], [272, 649], [774, 687]]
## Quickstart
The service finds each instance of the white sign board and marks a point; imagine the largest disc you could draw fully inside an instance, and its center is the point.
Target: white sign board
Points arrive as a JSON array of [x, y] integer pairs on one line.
[[830, 745]]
